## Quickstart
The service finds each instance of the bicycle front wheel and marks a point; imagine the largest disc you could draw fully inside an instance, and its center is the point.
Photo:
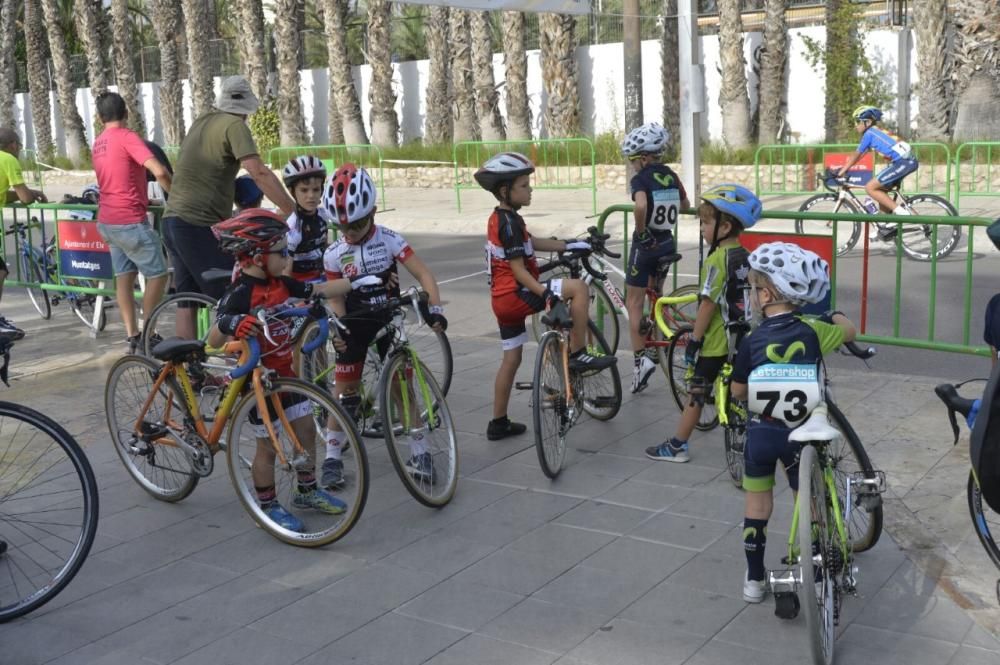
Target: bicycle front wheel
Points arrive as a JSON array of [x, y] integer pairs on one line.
[[162, 321], [818, 550], [84, 304], [848, 233], [550, 403], [848, 457], [918, 240], [298, 511], [48, 509], [602, 391], [736, 440], [984, 520], [675, 316], [31, 272], [418, 429], [677, 370]]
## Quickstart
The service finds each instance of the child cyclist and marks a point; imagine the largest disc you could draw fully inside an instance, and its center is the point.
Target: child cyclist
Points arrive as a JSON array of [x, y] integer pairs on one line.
[[304, 177], [514, 285], [368, 249], [782, 277], [257, 239], [893, 148], [725, 212], [246, 194], [658, 196]]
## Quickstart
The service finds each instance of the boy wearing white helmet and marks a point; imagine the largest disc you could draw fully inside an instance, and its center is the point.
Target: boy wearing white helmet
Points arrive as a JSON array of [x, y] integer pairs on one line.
[[658, 196], [308, 225], [777, 371]]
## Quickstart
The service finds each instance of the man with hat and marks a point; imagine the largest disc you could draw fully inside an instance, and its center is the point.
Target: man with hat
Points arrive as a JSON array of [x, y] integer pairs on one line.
[[217, 145]]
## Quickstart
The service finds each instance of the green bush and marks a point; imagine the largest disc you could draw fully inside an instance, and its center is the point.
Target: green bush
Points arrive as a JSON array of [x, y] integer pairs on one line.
[[265, 127]]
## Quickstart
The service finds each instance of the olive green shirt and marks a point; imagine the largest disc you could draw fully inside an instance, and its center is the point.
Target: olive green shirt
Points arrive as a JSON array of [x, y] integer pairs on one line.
[[202, 190]]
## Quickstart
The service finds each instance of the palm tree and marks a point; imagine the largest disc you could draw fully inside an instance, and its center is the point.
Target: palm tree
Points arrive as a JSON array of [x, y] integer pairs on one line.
[[516, 64], [558, 47], [199, 62], [976, 69], [124, 67], [89, 15], [437, 125], [772, 72], [288, 49], [342, 90], [385, 124], [487, 98], [250, 37], [77, 149], [39, 86], [930, 18], [464, 100], [8, 39], [733, 97], [670, 72], [166, 17]]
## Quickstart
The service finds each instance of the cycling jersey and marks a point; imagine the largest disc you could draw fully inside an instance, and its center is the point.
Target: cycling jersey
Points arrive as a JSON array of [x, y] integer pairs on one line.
[[307, 240], [991, 331], [888, 145], [507, 238], [248, 294], [377, 255], [724, 281], [664, 193]]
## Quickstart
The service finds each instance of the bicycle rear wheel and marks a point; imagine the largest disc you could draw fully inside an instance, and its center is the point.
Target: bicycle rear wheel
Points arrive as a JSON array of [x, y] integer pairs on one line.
[[736, 440], [31, 272], [83, 304], [816, 527], [162, 321], [48, 509], [984, 520], [848, 233], [675, 316], [677, 370], [847, 456], [253, 462], [918, 241], [550, 404], [602, 391]]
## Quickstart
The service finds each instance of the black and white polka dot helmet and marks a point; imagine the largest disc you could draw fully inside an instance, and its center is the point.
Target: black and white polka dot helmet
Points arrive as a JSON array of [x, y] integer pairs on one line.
[[798, 274], [649, 139]]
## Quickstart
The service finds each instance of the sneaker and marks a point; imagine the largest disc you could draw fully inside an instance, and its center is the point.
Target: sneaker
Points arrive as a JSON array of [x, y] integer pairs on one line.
[[887, 233], [10, 332], [333, 474], [666, 452], [584, 362], [352, 404], [133, 343], [422, 468], [277, 514], [644, 369], [501, 428], [653, 354], [320, 500], [753, 590]]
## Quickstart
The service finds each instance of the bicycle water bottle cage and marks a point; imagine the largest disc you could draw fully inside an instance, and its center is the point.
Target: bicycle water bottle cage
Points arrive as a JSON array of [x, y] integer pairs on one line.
[[175, 349], [816, 428], [558, 317]]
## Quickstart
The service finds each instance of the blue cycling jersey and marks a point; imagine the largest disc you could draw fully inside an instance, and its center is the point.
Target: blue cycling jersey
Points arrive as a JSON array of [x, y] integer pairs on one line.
[[888, 145]]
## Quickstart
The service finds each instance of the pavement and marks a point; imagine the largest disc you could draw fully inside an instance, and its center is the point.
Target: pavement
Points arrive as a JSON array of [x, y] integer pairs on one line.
[[619, 560]]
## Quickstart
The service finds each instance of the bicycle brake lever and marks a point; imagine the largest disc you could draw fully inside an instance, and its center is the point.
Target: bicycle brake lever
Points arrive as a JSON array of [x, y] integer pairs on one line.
[[266, 329]]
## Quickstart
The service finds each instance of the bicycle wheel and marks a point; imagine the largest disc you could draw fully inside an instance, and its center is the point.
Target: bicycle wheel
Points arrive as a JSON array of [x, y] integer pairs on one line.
[[83, 304], [604, 316], [848, 233], [736, 440], [428, 468], [984, 520], [917, 240], [550, 404], [162, 321], [675, 316], [157, 464], [48, 509], [252, 461], [31, 272], [847, 456], [677, 370], [816, 527], [602, 391], [434, 351]]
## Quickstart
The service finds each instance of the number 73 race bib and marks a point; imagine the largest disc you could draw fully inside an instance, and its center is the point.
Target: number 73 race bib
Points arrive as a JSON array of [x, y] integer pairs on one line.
[[785, 392]]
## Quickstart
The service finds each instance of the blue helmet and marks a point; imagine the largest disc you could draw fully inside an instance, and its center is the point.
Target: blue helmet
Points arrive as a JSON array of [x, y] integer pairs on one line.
[[248, 194], [867, 113], [736, 201]]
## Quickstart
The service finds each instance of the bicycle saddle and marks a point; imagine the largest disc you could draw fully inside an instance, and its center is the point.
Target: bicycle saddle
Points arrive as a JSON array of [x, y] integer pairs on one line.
[[667, 260], [215, 275], [175, 349], [816, 428]]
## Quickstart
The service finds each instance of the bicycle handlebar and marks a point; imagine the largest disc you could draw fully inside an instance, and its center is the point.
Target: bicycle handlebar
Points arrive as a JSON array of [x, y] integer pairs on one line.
[[569, 258], [252, 349], [948, 393], [662, 302], [858, 352]]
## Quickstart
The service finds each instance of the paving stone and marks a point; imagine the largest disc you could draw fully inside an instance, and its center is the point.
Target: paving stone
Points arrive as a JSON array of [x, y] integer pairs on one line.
[[967, 655], [460, 605], [34, 642], [242, 600], [383, 585], [440, 554], [164, 637], [874, 645], [601, 591], [677, 607], [604, 517], [562, 543], [248, 645], [318, 619], [488, 651], [681, 531], [392, 639], [645, 495], [705, 505], [757, 628], [628, 642], [515, 571], [651, 560], [545, 626]]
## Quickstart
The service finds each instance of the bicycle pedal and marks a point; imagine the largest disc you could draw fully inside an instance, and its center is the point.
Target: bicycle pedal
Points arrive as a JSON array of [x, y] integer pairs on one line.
[[524, 385], [786, 604]]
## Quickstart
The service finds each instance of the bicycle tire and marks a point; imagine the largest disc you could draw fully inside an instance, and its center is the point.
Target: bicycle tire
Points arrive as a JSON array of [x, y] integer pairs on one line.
[[602, 391], [37, 295], [675, 315], [677, 370], [434, 351], [735, 443], [83, 304], [130, 382], [49, 530], [853, 229], [912, 233], [164, 316], [980, 519], [242, 445], [608, 321], [398, 370], [548, 394], [863, 534], [816, 591]]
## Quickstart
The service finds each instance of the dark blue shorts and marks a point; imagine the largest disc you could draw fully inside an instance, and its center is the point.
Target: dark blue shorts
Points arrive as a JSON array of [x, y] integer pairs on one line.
[[896, 171], [767, 444], [642, 264]]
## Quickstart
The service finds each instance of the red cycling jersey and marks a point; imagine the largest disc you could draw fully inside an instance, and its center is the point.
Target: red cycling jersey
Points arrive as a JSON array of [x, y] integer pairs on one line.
[[507, 238]]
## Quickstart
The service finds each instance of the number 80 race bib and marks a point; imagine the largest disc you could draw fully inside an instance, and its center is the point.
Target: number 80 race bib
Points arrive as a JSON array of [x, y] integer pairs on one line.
[[786, 392], [666, 207]]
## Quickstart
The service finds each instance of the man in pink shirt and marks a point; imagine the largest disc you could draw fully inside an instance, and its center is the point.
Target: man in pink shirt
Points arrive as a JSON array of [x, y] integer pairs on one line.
[[121, 159]]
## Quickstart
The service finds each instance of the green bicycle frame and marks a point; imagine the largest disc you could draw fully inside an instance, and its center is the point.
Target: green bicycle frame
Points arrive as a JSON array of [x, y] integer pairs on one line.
[[421, 381], [838, 519]]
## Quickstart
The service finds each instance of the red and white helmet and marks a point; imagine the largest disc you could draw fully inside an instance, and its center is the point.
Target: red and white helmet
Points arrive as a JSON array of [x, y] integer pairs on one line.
[[502, 168], [301, 167], [250, 232], [349, 195]]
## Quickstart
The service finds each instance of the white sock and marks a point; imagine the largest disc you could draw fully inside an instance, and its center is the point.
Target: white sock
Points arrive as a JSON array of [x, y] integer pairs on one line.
[[900, 210], [334, 443], [418, 445]]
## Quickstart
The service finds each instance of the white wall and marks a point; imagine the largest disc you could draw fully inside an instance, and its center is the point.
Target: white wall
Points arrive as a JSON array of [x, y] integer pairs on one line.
[[600, 74]]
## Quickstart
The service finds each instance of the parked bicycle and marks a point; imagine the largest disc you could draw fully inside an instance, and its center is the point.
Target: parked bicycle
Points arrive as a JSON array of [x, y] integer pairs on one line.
[[917, 241]]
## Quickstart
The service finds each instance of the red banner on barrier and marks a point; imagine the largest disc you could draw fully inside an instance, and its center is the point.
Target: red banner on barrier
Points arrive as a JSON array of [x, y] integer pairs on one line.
[[822, 245], [859, 174], [82, 250]]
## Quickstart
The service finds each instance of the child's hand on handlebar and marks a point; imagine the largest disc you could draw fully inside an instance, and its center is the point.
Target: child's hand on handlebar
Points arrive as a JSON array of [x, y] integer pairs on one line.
[[578, 246], [240, 326], [366, 281]]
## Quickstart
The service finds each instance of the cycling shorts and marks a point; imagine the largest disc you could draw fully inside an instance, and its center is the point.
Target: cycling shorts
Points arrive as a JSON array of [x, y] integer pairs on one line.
[[707, 369], [767, 444], [896, 171], [642, 264], [362, 327], [295, 407], [511, 309]]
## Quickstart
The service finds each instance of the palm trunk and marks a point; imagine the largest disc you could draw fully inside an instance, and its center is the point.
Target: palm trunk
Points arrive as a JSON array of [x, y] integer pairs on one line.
[[77, 149], [88, 18], [385, 124], [8, 38], [342, 90], [39, 86], [250, 35], [558, 46], [931, 23], [199, 63], [670, 72], [166, 17], [466, 127], [487, 99], [437, 126], [516, 64], [733, 97], [772, 73], [124, 67], [976, 69], [288, 48]]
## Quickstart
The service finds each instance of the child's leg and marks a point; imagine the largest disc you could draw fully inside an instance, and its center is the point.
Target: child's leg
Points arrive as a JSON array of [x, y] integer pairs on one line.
[[262, 471], [577, 292], [757, 513], [876, 190], [504, 382], [634, 298], [676, 448]]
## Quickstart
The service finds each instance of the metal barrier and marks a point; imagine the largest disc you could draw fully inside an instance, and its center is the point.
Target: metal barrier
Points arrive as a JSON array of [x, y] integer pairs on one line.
[[559, 163], [792, 169], [969, 175], [368, 157]]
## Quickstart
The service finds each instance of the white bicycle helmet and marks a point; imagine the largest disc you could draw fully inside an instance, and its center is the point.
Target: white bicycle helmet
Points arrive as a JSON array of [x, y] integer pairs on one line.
[[304, 166], [798, 274], [349, 195], [650, 139], [503, 168]]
